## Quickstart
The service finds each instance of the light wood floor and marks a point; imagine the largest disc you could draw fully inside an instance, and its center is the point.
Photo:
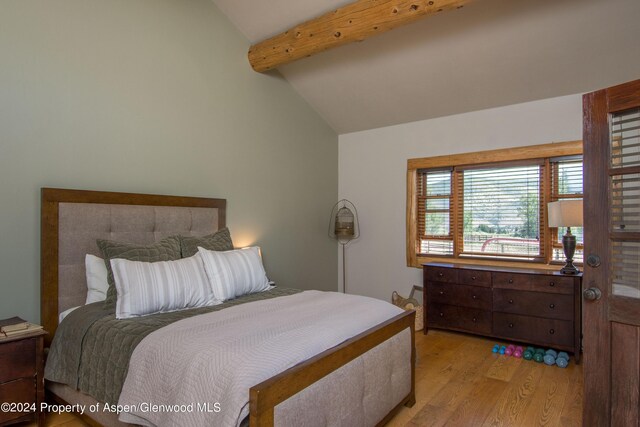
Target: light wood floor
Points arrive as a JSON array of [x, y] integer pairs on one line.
[[460, 382]]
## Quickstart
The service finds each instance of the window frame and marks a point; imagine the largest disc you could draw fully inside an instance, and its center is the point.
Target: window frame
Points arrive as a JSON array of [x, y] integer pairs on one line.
[[544, 153], [555, 240]]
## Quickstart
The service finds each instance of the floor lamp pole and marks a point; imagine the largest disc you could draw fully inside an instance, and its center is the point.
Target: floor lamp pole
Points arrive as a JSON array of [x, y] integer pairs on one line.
[[344, 272]]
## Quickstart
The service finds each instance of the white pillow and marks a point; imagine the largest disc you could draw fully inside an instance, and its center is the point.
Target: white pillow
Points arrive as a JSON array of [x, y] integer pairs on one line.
[[155, 287], [97, 284], [234, 273]]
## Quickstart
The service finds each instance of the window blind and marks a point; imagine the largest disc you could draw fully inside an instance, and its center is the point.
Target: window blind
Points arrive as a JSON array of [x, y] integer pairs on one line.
[[566, 183], [500, 211], [567, 177], [434, 211]]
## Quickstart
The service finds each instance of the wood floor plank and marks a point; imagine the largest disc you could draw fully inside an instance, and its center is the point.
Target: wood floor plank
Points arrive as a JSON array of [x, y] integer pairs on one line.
[[471, 365], [572, 405], [476, 407], [430, 416], [547, 401], [570, 422], [504, 367], [513, 402]]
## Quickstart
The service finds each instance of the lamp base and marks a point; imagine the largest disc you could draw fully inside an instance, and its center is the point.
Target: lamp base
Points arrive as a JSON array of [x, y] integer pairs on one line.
[[569, 247], [569, 268]]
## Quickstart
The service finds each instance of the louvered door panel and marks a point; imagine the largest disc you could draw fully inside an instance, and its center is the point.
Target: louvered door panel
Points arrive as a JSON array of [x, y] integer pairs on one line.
[[625, 203]]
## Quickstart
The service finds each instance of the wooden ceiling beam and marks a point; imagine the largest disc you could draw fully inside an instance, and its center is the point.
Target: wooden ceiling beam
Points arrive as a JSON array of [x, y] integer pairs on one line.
[[354, 22]]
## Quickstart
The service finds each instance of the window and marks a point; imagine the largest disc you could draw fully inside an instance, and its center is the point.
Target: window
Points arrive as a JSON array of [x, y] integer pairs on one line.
[[566, 184], [470, 207], [501, 211], [434, 205]]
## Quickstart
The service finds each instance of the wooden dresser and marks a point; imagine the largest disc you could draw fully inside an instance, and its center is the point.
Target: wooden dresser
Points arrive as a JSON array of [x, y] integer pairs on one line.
[[538, 307], [22, 378]]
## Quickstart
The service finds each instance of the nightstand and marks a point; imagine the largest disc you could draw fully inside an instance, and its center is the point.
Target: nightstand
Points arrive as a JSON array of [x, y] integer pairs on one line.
[[22, 378]]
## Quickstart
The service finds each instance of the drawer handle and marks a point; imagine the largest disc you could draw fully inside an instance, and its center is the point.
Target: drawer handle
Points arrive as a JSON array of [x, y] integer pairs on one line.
[[441, 292], [440, 274], [474, 296], [552, 306], [511, 325], [552, 284], [510, 301], [441, 314], [552, 331], [510, 280], [473, 277], [474, 320]]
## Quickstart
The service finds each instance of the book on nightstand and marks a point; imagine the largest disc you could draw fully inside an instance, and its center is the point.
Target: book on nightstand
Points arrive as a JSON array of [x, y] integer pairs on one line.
[[15, 326]]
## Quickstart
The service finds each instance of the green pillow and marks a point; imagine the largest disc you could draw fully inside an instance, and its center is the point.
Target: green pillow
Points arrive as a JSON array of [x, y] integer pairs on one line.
[[165, 250], [218, 241]]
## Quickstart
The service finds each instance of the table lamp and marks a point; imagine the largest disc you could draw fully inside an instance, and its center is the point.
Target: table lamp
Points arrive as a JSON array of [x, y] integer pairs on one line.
[[567, 213]]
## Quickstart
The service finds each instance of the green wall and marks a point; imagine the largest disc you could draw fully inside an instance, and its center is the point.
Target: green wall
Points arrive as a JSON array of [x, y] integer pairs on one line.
[[156, 97]]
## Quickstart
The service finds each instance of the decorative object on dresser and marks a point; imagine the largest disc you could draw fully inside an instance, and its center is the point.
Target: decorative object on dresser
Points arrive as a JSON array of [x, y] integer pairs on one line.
[[567, 213], [532, 306], [21, 374], [344, 227]]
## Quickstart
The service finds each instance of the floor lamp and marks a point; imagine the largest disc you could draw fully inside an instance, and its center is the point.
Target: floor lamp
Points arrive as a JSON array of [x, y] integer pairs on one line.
[[344, 227]]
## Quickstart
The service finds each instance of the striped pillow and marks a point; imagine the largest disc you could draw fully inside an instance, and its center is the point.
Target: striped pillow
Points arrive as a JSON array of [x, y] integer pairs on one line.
[[156, 287], [234, 273]]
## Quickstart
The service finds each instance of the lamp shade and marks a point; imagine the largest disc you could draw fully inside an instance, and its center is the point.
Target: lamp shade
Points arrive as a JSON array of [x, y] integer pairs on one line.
[[565, 213]]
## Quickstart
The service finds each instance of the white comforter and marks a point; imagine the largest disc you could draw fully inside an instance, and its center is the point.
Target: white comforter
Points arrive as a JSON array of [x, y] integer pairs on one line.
[[201, 368]]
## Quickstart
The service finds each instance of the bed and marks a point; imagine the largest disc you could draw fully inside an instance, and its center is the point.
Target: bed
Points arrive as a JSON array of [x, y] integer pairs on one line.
[[369, 375]]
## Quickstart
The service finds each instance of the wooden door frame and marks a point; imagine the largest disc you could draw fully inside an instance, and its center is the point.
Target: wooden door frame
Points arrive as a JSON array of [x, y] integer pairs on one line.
[[596, 331]]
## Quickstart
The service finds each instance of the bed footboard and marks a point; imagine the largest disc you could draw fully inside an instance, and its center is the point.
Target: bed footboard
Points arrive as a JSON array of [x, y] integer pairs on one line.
[[264, 397]]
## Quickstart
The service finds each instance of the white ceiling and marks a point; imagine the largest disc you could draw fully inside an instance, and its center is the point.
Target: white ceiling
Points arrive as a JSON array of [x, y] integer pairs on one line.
[[490, 53]]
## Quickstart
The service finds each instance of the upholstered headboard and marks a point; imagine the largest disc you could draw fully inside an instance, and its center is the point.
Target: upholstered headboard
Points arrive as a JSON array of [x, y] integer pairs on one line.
[[72, 220]]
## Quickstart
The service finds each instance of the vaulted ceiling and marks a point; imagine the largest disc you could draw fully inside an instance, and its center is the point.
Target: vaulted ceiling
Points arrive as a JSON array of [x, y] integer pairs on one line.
[[488, 54]]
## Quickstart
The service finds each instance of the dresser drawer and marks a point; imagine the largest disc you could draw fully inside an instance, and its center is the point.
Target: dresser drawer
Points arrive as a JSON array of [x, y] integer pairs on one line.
[[18, 391], [460, 295], [533, 282], [459, 318], [17, 359], [442, 274], [549, 332], [540, 304], [475, 278]]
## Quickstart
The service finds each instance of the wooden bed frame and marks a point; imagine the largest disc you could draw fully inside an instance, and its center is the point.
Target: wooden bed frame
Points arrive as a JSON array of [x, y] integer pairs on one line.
[[264, 396]]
